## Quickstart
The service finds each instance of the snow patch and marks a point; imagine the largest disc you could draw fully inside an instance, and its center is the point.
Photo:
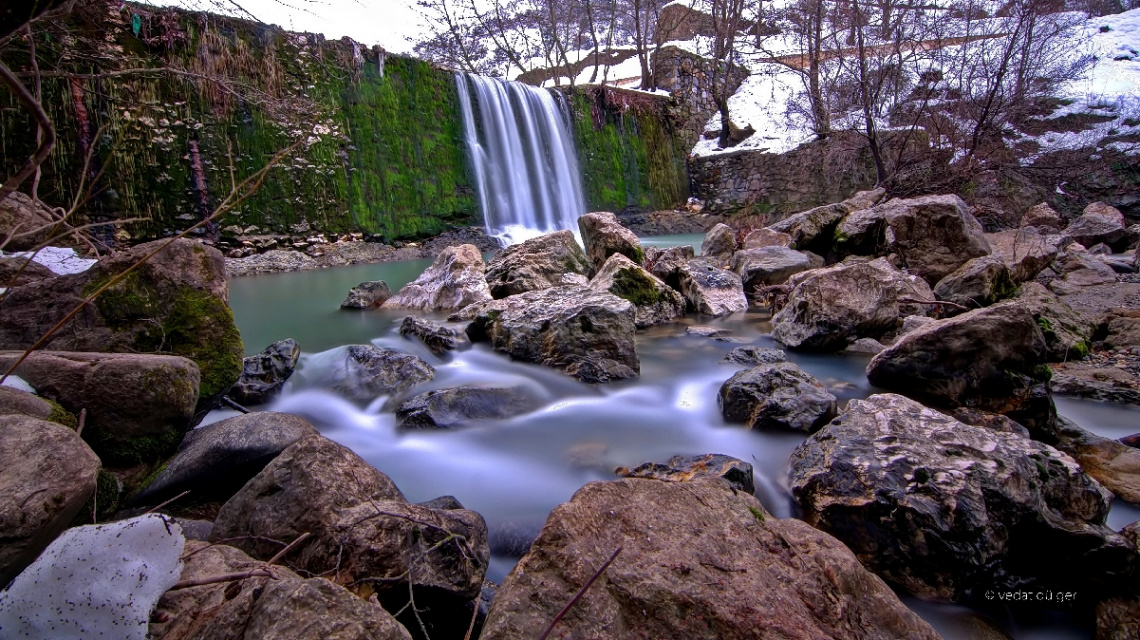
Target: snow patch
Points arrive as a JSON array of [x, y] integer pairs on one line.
[[17, 383], [95, 581], [60, 260]]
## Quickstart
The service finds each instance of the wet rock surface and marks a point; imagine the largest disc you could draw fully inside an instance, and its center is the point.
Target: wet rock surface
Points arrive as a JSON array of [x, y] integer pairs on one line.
[[457, 407], [264, 375], [832, 307], [776, 397], [370, 371], [654, 301], [367, 295], [454, 280], [538, 263]]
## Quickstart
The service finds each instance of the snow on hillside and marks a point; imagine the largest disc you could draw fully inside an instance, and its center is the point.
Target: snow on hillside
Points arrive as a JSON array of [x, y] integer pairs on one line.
[[1111, 88]]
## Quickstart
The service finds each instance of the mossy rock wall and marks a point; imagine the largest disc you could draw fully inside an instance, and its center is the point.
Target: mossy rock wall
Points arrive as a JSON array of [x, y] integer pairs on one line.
[[629, 149], [381, 146]]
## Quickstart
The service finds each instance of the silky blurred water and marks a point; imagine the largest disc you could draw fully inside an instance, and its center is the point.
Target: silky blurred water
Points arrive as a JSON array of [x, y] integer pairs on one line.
[[515, 471]]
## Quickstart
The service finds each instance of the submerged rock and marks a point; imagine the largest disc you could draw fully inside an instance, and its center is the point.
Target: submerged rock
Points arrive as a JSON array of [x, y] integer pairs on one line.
[[832, 307], [47, 473], [370, 371], [947, 510], [653, 300], [367, 295], [752, 356], [737, 473], [699, 560], [264, 374], [538, 263], [455, 280], [605, 236], [460, 406], [138, 405], [777, 396], [587, 334], [436, 336]]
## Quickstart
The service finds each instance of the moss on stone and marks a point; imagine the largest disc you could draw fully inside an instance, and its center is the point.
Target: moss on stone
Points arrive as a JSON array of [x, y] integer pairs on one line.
[[59, 415], [136, 450], [103, 504], [756, 513], [635, 286]]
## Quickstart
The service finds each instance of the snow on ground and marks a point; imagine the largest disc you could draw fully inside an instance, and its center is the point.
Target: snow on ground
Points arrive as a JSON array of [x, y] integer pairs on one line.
[[18, 383], [60, 260]]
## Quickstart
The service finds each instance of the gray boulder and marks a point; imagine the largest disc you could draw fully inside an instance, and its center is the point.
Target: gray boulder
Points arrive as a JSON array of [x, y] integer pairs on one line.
[[1105, 212], [585, 333], [737, 473], [751, 356], [907, 287], [362, 530], [779, 397], [833, 307], [947, 510], [654, 301], [138, 406], [538, 263], [1081, 269], [991, 359], [1068, 334], [666, 263], [455, 280], [367, 295], [767, 266], [216, 460], [1042, 215], [719, 243], [286, 606], [764, 237], [699, 560], [264, 374], [1090, 230], [603, 235], [1111, 462], [813, 229], [710, 290], [437, 337], [369, 371], [457, 407], [978, 283], [1024, 251], [47, 474]]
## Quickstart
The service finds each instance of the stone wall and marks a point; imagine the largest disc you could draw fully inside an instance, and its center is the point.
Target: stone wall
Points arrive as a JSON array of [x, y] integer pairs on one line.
[[688, 78], [766, 184]]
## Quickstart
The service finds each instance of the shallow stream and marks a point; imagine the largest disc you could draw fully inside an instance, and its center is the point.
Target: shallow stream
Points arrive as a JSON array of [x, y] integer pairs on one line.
[[514, 472]]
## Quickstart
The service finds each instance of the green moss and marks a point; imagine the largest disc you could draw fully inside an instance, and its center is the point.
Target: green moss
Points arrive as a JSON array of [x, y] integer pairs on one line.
[[1042, 373], [634, 285], [201, 327], [1003, 287], [756, 513], [136, 450], [103, 504], [1046, 326], [59, 415]]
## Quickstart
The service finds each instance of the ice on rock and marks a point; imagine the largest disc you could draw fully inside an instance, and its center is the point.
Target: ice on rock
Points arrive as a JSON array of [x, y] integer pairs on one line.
[[96, 581]]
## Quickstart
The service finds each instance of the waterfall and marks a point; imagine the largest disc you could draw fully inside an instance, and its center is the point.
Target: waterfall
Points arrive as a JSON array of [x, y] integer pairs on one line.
[[522, 155]]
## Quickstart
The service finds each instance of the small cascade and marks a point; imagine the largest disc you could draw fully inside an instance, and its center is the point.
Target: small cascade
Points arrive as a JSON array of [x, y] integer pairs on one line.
[[522, 154]]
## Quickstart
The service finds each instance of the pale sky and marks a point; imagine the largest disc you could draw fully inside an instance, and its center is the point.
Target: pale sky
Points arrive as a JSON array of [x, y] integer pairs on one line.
[[383, 22]]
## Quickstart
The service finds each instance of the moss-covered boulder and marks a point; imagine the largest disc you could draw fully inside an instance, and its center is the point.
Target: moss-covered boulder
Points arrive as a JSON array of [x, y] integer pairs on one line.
[[177, 302], [653, 300], [139, 406], [538, 263]]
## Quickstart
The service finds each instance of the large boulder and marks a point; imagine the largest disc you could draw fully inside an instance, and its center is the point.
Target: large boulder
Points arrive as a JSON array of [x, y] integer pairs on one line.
[[362, 531], [991, 359], [1111, 462], [437, 337], [456, 279], [264, 374], [1081, 269], [666, 263], [1043, 216], [978, 283], [1068, 334], [367, 295], [932, 235], [215, 461], [947, 510], [47, 474], [17, 402], [538, 263], [257, 606], [369, 371], [834, 307], [1024, 251], [912, 290], [456, 407], [175, 303], [1105, 212], [138, 406], [604, 236], [587, 334], [812, 230], [778, 396], [719, 243], [26, 222], [15, 272], [765, 237], [710, 290], [653, 300], [1121, 328], [1094, 229], [767, 266], [698, 560]]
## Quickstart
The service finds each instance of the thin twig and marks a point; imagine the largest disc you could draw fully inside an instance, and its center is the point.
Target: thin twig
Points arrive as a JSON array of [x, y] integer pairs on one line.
[[578, 596], [163, 504], [288, 547], [226, 577], [82, 421], [233, 405], [474, 615], [933, 302]]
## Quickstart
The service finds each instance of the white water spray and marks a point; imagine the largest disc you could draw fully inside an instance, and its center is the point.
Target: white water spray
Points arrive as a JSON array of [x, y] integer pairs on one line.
[[522, 154]]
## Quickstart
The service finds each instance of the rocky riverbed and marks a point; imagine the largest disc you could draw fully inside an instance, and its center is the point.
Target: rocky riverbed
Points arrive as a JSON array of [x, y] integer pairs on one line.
[[956, 481]]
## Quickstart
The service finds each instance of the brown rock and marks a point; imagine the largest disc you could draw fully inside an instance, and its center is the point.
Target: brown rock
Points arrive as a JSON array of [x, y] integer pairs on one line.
[[698, 561], [1024, 251], [538, 263], [28, 222], [28, 272], [719, 244], [604, 236], [47, 473], [765, 237], [1042, 215], [1113, 463], [455, 280]]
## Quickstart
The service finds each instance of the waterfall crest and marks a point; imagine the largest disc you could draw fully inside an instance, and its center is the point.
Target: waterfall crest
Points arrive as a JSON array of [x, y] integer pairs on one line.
[[522, 155]]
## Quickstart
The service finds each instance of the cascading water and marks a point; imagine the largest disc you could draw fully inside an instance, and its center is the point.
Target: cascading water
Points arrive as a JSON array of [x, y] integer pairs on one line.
[[522, 154]]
